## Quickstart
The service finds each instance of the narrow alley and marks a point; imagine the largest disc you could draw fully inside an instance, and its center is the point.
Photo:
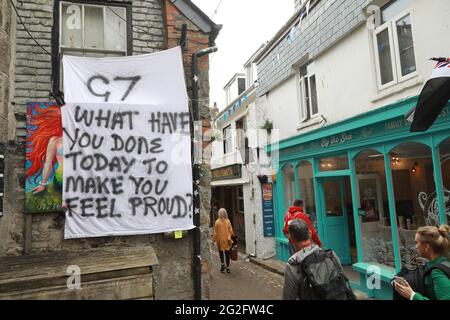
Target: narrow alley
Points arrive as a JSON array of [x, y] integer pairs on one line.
[[247, 281]]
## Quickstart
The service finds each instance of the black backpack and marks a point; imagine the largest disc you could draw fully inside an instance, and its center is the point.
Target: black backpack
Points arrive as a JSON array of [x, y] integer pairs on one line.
[[324, 278], [416, 278]]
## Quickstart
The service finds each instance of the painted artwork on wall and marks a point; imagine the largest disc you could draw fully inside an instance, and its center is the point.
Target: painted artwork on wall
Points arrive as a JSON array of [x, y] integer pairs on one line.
[[44, 156]]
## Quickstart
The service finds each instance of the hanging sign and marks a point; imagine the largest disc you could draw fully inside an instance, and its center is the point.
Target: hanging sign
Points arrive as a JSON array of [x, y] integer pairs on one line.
[[127, 161]]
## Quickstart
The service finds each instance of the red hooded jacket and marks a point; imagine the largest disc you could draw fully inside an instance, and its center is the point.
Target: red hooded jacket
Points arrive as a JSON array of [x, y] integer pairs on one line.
[[297, 213]]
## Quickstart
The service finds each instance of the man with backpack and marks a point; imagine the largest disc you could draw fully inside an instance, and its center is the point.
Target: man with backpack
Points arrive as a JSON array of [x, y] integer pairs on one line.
[[313, 273]]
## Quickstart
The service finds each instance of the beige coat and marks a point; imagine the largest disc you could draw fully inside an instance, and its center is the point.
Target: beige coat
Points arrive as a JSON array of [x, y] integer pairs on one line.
[[222, 234]]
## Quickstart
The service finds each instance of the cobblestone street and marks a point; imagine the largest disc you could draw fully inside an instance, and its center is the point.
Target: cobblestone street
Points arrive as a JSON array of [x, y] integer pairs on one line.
[[247, 281]]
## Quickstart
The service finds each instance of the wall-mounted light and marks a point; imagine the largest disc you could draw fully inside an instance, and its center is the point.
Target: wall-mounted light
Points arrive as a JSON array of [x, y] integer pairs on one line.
[[414, 169]]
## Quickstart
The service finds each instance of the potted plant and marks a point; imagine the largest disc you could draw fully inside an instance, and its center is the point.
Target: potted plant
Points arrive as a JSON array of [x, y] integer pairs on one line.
[[268, 125]]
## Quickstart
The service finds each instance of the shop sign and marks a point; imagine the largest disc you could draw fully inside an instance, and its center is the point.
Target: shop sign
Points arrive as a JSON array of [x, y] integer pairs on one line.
[[388, 127], [229, 172], [268, 214]]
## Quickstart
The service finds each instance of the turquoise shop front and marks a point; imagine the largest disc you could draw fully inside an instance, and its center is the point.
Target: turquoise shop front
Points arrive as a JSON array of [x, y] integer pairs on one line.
[[367, 184]]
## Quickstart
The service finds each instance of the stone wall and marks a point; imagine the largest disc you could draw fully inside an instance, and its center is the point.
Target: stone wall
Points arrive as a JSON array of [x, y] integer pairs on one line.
[[196, 40], [22, 233]]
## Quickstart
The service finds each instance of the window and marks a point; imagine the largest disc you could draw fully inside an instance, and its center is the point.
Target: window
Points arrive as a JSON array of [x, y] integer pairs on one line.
[[241, 129], [394, 43], [444, 150], [415, 196], [93, 30], [374, 217], [241, 85], [308, 93], [227, 140], [242, 140], [333, 163], [306, 188], [89, 30], [240, 196], [288, 186]]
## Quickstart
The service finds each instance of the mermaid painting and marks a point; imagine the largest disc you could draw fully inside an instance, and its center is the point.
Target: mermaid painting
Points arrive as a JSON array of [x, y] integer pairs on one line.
[[44, 157]]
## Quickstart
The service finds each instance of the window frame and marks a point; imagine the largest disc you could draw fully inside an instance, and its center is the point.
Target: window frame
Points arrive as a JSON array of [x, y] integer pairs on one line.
[[398, 61], [227, 139], [306, 109], [395, 51], [56, 33], [239, 199]]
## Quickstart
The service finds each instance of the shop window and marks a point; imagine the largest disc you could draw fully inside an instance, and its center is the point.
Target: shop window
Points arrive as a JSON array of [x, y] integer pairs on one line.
[[415, 195], [306, 187], [333, 163], [444, 150], [288, 186], [374, 218], [394, 44]]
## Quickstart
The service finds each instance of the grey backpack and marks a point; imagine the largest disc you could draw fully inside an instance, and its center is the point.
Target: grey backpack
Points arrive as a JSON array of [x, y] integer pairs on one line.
[[324, 278]]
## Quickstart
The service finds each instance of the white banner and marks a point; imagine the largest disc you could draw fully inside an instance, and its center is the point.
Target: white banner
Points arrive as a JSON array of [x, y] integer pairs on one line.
[[154, 79], [127, 164]]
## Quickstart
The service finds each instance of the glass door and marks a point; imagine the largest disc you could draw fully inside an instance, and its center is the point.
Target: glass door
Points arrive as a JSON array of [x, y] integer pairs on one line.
[[334, 192]]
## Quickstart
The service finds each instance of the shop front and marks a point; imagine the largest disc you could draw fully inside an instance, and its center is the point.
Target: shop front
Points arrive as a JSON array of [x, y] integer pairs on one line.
[[227, 186], [368, 184]]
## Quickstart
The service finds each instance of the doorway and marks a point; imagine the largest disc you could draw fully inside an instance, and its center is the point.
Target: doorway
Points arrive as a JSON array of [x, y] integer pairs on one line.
[[337, 213], [232, 199]]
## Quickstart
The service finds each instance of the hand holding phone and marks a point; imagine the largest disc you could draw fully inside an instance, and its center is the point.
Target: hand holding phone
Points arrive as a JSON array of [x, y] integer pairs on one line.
[[401, 281]]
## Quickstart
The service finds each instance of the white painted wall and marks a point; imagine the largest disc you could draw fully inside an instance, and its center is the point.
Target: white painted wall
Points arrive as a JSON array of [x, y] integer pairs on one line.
[[346, 73], [256, 244], [281, 106]]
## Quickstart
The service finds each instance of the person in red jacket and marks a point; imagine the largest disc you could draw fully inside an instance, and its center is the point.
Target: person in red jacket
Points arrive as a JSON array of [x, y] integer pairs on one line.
[[296, 212]]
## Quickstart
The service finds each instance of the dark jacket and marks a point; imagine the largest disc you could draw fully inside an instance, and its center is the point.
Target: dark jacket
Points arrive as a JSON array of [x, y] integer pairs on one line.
[[294, 284]]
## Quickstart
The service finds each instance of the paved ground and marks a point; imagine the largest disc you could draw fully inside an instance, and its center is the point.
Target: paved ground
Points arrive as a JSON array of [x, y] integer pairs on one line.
[[256, 279], [247, 281]]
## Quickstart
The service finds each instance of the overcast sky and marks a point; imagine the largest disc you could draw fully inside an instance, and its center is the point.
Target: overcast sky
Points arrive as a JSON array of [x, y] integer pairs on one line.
[[246, 25]]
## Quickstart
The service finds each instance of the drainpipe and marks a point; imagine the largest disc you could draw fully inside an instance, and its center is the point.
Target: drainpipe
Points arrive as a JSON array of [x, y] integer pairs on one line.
[[197, 267]]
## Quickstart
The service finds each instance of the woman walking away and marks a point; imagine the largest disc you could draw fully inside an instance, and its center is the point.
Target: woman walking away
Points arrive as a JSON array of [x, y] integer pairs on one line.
[[432, 243], [222, 236]]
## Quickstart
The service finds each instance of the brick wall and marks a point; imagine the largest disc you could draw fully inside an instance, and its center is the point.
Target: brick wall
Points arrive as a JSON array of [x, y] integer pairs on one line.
[[196, 40], [328, 22], [22, 233]]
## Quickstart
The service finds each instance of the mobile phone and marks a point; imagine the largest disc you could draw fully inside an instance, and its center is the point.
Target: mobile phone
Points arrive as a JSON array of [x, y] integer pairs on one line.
[[401, 281]]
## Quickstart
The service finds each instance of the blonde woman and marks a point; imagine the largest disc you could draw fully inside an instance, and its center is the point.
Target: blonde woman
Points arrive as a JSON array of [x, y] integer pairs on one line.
[[432, 243], [223, 231]]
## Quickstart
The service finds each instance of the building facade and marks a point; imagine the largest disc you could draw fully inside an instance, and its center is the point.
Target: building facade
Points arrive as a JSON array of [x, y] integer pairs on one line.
[[156, 266], [241, 170], [346, 73]]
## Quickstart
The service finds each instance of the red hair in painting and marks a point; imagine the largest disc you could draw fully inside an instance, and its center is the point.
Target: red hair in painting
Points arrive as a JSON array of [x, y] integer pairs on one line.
[[48, 124]]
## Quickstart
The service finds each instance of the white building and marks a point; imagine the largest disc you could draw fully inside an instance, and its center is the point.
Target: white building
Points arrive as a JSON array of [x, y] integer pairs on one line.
[[337, 81], [238, 158]]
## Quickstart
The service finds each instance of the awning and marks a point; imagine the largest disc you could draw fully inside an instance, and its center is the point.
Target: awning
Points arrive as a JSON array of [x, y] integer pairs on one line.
[[229, 182]]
